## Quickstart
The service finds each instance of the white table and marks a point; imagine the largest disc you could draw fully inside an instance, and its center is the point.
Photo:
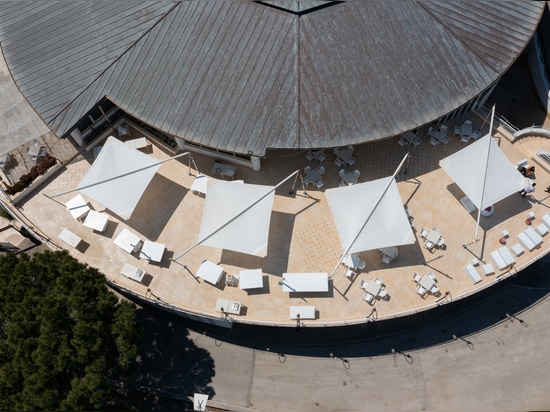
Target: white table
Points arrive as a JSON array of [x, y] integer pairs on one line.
[[96, 220], [305, 282], [77, 206], [305, 312], [251, 279], [343, 154], [199, 184], [69, 238], [372, 287], [228, 306], [128, 241], [140, 143], [352, 261], [223, 170], [313, 175], [390, 251], [34, 151], [152, 251], [427, 282], [210, 272], [349, 178], [466, 129], [132, 272], [409, 136], [433, 236]]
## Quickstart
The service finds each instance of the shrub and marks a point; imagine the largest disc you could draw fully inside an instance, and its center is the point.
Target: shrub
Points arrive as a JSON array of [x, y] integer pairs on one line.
[[37, 170]]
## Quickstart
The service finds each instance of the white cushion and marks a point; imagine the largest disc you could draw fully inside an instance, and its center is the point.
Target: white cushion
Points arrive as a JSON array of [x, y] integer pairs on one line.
[[541, 229], [517, 249], [472, 273], [488, 269]]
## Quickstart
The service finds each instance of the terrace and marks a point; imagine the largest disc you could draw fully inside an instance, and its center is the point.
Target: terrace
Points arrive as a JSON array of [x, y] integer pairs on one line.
[[303, 236]]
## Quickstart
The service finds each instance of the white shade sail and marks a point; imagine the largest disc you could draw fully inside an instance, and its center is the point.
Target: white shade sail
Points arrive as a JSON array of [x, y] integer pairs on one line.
[[242, 230], [382, 214], [483, 172], [119, 194]]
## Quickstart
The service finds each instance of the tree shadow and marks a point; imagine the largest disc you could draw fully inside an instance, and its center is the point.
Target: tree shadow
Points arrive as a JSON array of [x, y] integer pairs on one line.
[[169, 369]]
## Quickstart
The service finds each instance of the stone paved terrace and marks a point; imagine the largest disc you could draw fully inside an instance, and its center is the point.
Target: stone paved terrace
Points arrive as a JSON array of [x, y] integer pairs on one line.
[[303, 236]]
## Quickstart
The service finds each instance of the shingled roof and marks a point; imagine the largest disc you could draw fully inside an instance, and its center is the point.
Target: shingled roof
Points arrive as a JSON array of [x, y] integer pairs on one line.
[[246, 76]]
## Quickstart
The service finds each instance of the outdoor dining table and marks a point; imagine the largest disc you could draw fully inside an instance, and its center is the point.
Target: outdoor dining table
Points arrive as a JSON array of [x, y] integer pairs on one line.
[[466, 129], [77, 206], [128, 241], [152, 251], [390, 251], [313, 175], [349, 178], [305, 282], [372, 287], [343, 154], [251, 279], [427, 281], [96, 220], [352, 261], [433, 236], [440, 135], [409, 136], [34, 151], [210, 272], [200, 184]]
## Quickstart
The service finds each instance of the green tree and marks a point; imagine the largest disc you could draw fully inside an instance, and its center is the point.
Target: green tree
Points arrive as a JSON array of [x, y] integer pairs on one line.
[[62, 334]]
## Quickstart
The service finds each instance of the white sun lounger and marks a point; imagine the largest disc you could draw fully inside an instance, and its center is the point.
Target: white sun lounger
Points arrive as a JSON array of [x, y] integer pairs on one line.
[[472, 273], [503, 258], [529, 238]]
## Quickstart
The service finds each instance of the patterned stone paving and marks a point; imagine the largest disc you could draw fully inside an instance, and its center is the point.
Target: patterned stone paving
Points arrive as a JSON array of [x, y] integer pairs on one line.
[[303, 236]]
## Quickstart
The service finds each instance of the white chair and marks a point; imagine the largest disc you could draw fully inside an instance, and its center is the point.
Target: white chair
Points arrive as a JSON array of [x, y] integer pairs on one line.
[[431, 275], [362, 283], [443, 128], [458, 131], [429, 245], [386, 259], [319, 183], [378, 280], [338, 162], [416, 141], [433, 141], [476, 135], [361, 265], [440, 242], [468, 122], [307, 169], [464, 138], [356, 173], [368, 297], [342, 173], [434, 289], [122, 130], [310, 156], [431, 131], [444, 140], [350, 161], [321, 169], [383, 293], [320, 157], [350, 149], [417, 276], [423, 233], [420, 290], [403, 142], [348, 273]]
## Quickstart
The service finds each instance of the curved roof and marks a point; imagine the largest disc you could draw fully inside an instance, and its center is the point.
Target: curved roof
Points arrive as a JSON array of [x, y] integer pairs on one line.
[[245, 76]]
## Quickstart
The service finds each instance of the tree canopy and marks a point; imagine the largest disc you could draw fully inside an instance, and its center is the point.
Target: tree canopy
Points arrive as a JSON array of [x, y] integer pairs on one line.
[[62, 334]]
